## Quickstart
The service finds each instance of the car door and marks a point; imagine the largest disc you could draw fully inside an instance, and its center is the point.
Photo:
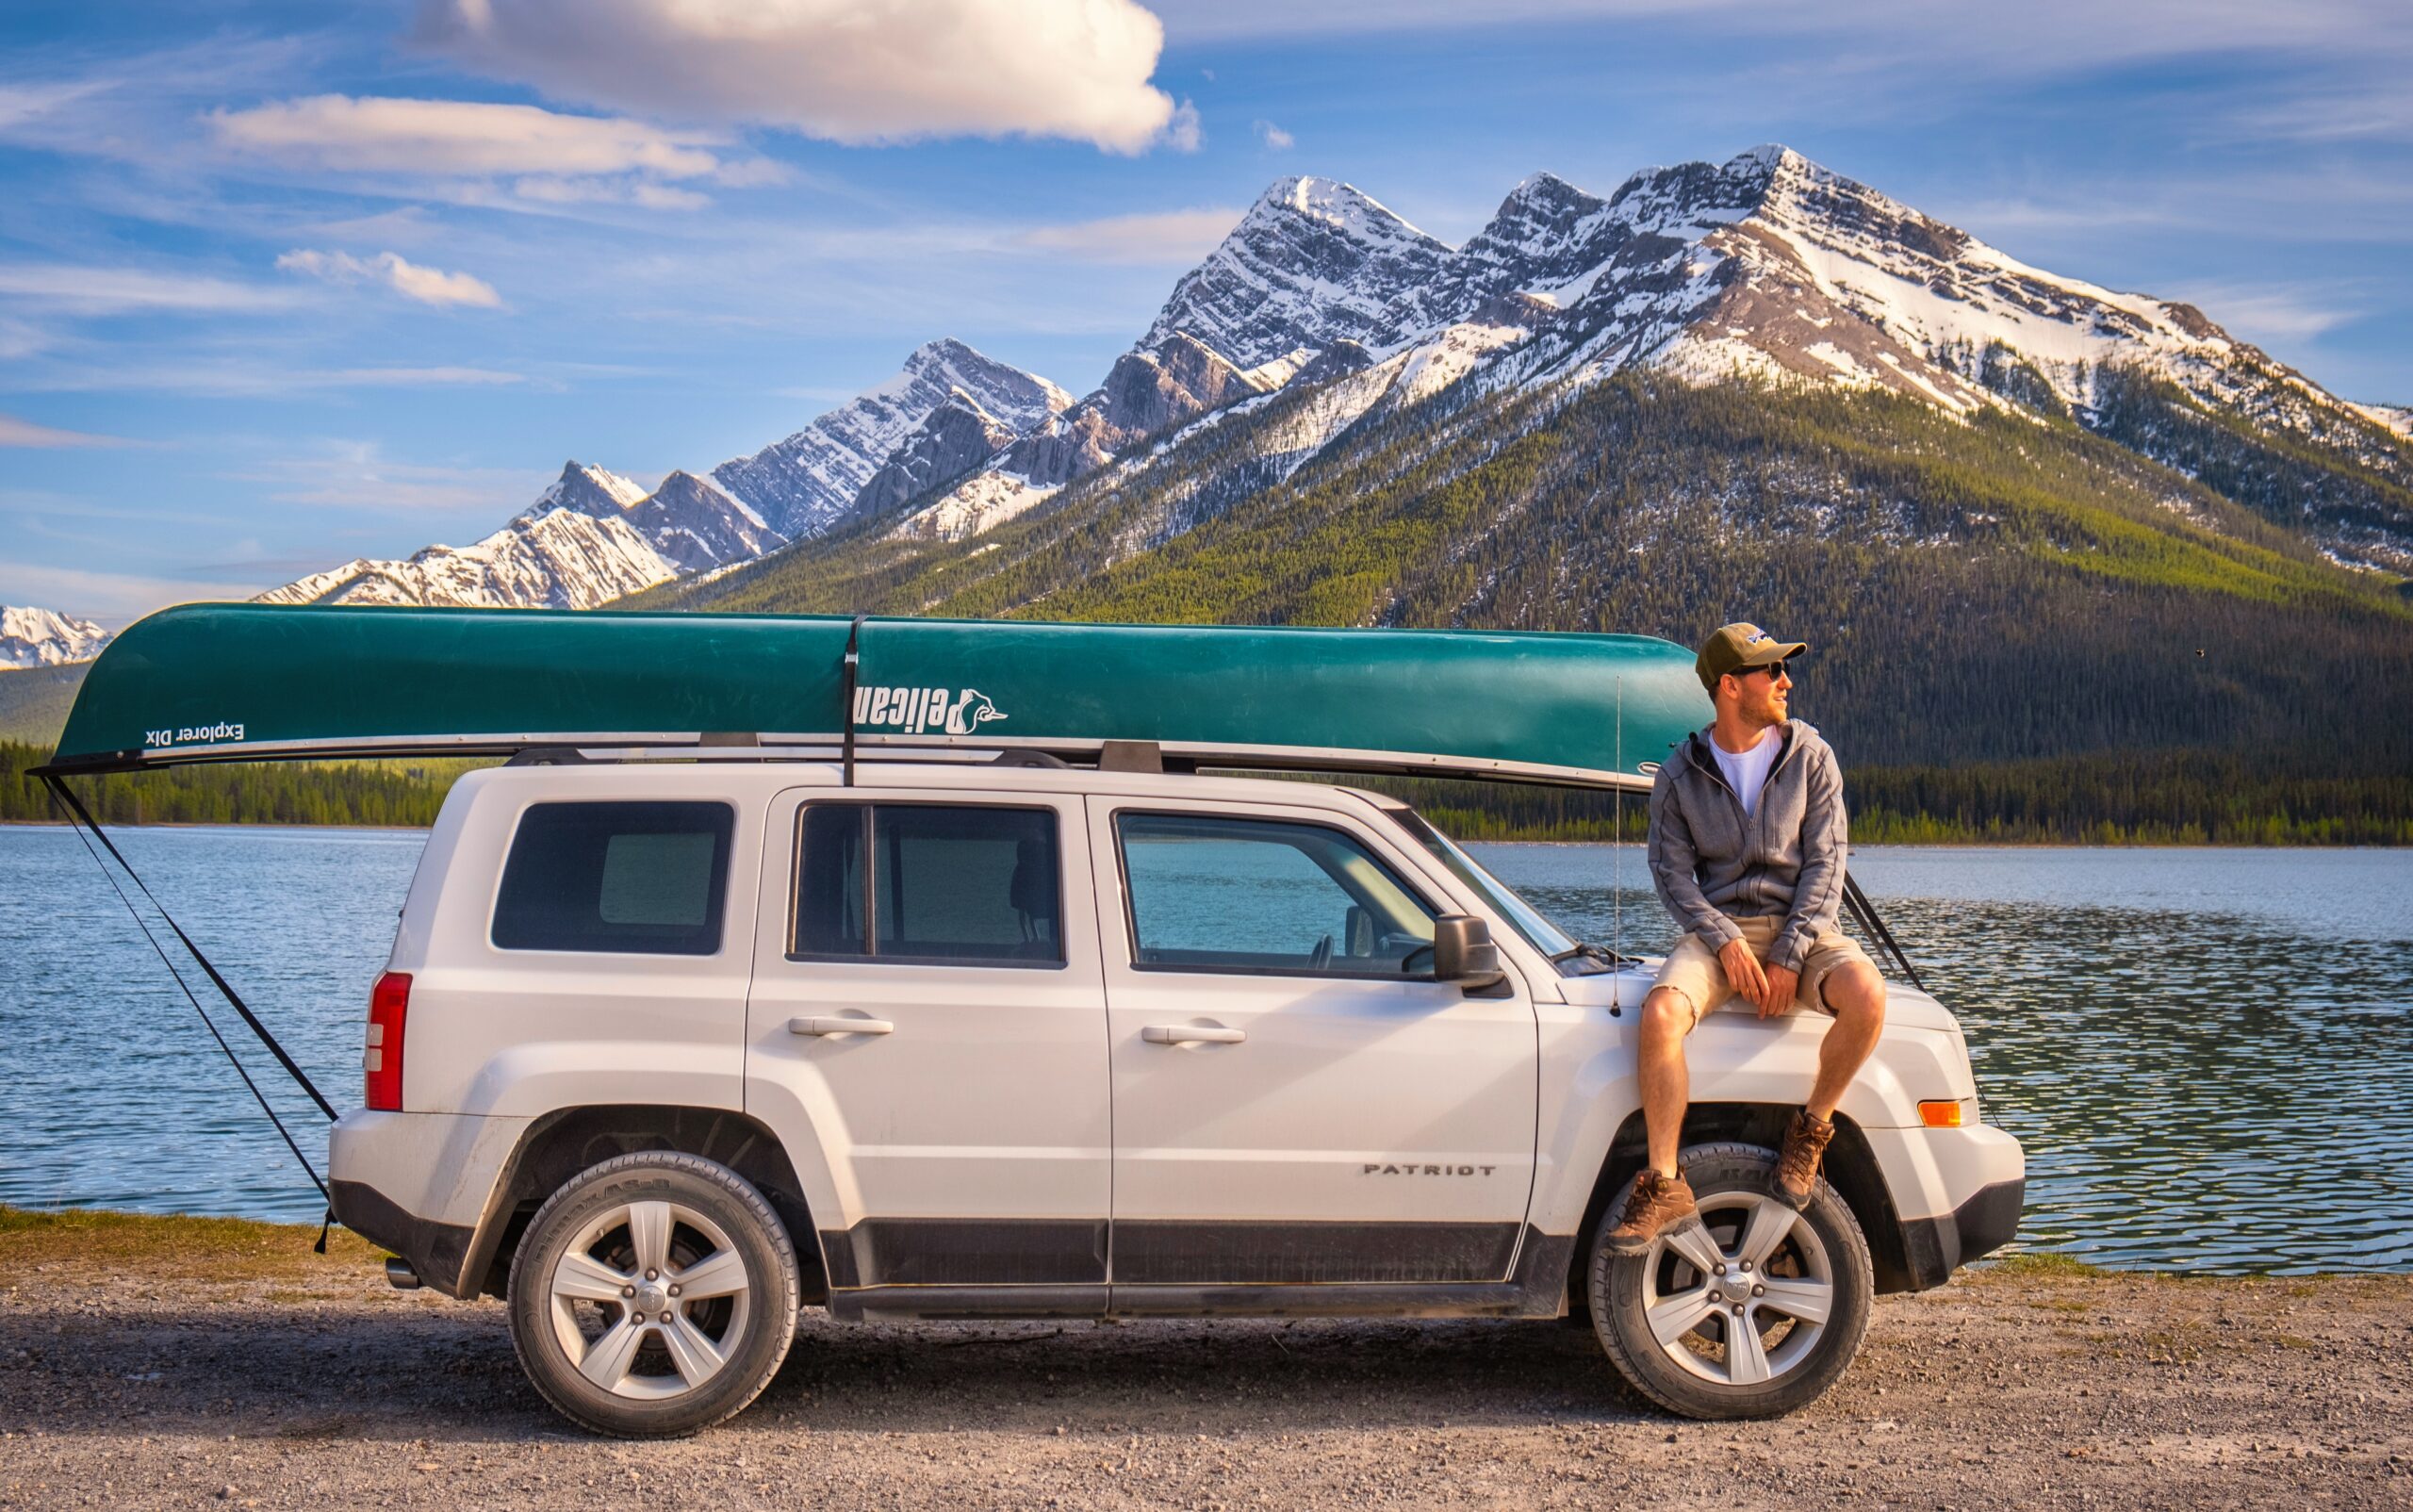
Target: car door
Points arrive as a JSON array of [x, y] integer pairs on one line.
[[927, 1019], [1292, 1103]]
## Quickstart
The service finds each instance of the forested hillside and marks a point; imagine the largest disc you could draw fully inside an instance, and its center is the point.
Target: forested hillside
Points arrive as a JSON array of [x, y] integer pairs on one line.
[[1984, 589], [356, 793]]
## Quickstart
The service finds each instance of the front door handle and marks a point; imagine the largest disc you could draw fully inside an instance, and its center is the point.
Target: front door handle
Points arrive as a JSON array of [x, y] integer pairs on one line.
[[1191, 1034], [840, 1026]]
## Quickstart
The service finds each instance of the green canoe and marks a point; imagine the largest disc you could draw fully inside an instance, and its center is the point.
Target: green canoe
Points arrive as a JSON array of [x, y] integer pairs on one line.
[[256, 682]]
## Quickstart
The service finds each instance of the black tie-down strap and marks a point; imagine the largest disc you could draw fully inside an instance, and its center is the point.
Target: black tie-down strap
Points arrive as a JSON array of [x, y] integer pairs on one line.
[[1864, 913], [849, 671], [81, 821]]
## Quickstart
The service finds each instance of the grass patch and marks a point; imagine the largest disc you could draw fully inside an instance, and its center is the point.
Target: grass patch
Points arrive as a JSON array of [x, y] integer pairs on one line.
[[2040, 1265], [106, 1242]]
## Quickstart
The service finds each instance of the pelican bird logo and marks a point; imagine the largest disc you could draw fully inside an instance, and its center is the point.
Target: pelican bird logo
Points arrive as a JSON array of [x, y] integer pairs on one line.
[[971, 711]]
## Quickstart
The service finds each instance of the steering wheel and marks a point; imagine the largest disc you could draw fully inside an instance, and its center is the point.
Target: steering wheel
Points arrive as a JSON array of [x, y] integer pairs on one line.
[[1321, 960]]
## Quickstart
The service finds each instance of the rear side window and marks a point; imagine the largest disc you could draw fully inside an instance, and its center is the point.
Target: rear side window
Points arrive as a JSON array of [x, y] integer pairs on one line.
[[647, 879], [934, 883]]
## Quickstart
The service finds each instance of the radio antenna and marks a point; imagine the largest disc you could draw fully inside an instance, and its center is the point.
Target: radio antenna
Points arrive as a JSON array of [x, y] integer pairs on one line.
[[1617, 845]]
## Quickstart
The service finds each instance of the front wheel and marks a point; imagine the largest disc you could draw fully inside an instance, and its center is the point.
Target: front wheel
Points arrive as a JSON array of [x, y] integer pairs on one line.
[[654, 1295], [1750, 1314]]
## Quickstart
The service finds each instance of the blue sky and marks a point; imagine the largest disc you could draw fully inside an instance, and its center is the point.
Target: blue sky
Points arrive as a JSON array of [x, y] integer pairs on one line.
[[284, 284]]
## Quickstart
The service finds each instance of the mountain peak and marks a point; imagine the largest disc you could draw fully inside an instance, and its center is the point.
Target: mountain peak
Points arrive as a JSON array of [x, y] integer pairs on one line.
[[594, 491], [44, 637], [1341, 206], [1314, 261]]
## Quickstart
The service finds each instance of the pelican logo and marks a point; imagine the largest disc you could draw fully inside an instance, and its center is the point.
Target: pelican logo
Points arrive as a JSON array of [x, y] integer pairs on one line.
[[917, 711]]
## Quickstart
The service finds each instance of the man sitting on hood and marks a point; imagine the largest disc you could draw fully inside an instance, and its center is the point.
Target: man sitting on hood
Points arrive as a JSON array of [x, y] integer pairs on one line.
[[1747, 851]]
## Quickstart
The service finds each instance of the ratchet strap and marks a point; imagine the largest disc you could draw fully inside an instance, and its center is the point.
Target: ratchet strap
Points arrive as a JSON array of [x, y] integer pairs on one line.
[[1864, 913], [849, 671], [89, 829]]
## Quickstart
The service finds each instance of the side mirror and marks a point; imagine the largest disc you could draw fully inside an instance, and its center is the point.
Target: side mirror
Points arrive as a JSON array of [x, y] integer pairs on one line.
[[1463, 952]]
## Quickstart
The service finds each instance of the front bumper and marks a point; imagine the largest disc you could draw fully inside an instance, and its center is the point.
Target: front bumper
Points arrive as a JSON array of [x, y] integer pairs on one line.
[[1933, 1248]]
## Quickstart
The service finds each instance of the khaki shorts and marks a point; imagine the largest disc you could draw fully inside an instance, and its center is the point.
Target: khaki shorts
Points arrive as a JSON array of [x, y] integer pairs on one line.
[[1692, 967]]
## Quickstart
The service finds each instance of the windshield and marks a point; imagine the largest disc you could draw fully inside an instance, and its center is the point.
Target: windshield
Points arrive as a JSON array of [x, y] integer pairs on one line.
[[1538, 931]]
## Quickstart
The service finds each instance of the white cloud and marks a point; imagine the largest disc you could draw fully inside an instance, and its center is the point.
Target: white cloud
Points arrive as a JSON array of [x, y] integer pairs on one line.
[[429, 286], [351, 474], [849, 71], [14, 431], [121, 290], [457, 136], [1167, 237], [2267, 313], [1275, 137], [1182, 132], [112, 598]]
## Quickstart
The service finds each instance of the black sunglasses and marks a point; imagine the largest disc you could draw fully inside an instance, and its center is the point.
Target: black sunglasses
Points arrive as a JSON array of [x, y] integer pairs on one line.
[[1784, 666]]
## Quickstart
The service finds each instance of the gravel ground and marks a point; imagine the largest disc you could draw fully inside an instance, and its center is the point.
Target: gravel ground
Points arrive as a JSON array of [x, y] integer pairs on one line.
[[222, 1365]]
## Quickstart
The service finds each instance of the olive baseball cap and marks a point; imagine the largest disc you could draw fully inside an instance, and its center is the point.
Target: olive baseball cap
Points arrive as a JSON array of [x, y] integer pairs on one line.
[[1736, 647]]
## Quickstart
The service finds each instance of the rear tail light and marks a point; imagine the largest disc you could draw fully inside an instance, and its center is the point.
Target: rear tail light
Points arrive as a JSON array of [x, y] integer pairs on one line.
[[389, 1002], [1939, 1115]]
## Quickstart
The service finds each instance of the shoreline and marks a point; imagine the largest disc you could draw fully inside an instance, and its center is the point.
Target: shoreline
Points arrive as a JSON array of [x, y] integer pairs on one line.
[[1635, 843], [174, 1362]]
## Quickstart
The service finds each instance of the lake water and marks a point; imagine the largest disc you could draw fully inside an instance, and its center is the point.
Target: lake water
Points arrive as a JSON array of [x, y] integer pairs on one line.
[[2208, 1054]]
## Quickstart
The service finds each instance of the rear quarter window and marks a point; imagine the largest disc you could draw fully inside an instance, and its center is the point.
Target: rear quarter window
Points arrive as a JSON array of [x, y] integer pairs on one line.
[[629, 879]]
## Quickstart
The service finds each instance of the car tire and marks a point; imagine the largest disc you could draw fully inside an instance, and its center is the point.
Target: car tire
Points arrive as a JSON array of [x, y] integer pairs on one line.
[[654, 1295], [1766, 1334]]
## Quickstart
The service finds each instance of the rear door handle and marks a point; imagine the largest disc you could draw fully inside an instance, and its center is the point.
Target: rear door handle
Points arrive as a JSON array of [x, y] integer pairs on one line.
[[840, 1026], [1191, 1034]]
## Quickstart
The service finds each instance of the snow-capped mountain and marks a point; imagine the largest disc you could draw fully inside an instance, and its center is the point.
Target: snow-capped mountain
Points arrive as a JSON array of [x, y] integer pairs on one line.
[[561, 559], [44, 637], [1766, 266], [589, 490], [1313, 262], [805, 484], [696, 525]]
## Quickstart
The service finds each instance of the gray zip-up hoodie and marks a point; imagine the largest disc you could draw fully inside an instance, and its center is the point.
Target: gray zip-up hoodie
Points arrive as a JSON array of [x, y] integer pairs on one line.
[[1713, 864]]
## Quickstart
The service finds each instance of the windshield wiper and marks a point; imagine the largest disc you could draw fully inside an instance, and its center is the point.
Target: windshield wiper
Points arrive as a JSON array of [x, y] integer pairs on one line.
[[1590, 951]]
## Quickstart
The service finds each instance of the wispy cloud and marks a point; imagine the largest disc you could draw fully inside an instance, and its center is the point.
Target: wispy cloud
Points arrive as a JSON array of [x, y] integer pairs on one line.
[[352, 474], [457, 136], [82, 290], [111, 597], [428, 286], [15, 432], [2268, 313], [886, 71], [1164, 236], [1275, 137]]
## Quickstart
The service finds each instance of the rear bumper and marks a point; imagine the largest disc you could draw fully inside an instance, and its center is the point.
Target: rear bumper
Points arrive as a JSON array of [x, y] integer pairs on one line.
[[1933, 1248], [438, 1252]]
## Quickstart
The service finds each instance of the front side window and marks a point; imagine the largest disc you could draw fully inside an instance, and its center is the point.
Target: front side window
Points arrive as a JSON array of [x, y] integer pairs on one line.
[[641, 878], [1263, 897], [946, 884]]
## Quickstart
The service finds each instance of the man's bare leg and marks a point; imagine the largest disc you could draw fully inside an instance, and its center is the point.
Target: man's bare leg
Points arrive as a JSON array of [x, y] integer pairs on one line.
[[1667, 1085], [1659, 1198], [1857, 994]]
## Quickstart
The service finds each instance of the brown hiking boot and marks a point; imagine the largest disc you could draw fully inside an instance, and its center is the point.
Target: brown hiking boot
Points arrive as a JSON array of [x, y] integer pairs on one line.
[[1797, 1164], [1655, 1205]]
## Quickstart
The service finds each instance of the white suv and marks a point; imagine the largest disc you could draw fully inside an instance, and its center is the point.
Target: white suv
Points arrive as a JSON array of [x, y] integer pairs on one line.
[[666, 1051]]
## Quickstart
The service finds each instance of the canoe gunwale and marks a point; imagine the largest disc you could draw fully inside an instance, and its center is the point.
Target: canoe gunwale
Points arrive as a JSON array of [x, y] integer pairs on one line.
[[626, 747]]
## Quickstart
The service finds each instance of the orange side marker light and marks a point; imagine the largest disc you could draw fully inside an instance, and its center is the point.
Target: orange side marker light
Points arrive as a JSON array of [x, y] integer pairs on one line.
[[1940, 1115]]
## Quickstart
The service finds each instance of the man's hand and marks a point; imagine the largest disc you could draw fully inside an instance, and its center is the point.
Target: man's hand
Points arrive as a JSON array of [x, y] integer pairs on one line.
[[1784, 981], [1743, 973]]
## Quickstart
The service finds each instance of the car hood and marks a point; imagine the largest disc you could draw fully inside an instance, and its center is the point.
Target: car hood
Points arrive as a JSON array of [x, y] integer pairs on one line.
[[1906, 1006]]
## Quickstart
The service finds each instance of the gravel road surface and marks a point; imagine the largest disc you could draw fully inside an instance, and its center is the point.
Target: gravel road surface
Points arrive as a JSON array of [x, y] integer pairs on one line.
[[176, 1363]]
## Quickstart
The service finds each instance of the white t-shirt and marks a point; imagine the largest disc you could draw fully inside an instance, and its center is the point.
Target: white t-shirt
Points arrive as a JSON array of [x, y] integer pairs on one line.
[[1748, 773]]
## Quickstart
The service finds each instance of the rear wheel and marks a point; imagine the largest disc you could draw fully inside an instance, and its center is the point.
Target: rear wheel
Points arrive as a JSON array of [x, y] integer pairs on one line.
[[1754, 1312], [654, 1295]]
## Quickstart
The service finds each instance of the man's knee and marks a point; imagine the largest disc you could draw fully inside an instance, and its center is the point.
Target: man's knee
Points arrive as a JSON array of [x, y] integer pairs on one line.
[[1856, 991], [1667, 1011]]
